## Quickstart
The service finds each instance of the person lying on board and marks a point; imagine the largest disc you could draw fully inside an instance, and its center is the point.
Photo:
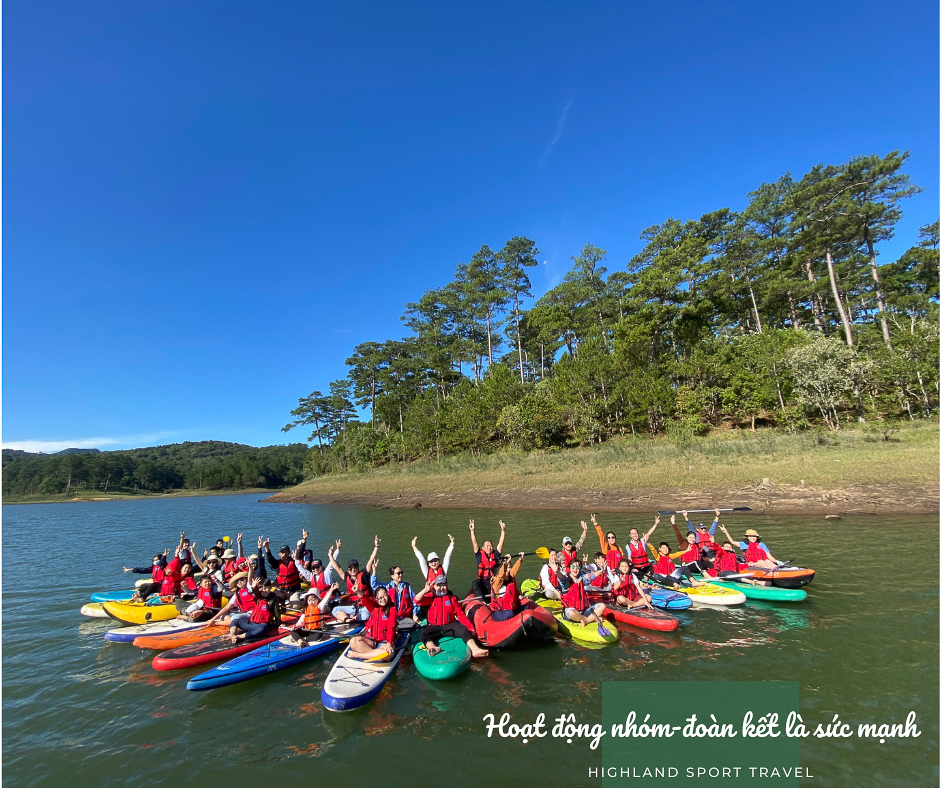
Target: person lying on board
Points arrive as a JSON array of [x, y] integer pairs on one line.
[[488, 559], [377, 641], [756, 553], [432, 567], [636, 551], [504, 590], [358, 588], [569, 550], [401, 592], [577, 606], [446, 619], [627, 591], [666, 573], [263, 617], [609, 547], [208, 601], [549, 576]]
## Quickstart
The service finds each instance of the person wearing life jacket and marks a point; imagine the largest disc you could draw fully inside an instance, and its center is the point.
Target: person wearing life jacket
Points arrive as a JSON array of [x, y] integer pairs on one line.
[[432, 567], [400, 591], [212, 566], [636, 551], [578, 607], [208, 601], [263, 617], [311, 619], [255, 562], [549, 576], [504, 590], [313, 572], [600, 582], [156, 570], [358, 589], [666, 573], [377, 641], [488, 560], [173, 573], [693, 559], [188, 584], [569, 550], [609, 547], [703, 536], [627, 591], [446, 619], [756, 553], [240, 604], [288, 578]]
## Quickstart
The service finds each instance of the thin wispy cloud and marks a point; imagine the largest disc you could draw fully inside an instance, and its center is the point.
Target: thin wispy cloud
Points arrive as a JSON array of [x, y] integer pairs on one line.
[[105, 443], [559, 130]]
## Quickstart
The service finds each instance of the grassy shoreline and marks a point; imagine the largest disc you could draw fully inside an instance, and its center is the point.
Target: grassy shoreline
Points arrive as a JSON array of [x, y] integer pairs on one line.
[[803, 472], [99, 497]]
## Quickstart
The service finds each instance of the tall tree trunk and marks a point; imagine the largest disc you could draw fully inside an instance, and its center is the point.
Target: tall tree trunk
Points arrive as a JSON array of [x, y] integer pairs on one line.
[[794, 317], [372, 420], [543, 360], [817, 317], [760, 328], [519, 340], [846, 325], [489, 337], [879, 296]]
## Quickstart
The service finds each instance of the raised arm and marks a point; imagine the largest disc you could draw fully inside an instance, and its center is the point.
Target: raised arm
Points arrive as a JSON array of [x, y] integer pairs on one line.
[[649, 533], [502, 537], [515, 568], [447, 554], [580, 543], [238, 543], [473, 538], [375, 554], [423, 593], [335, 566], [711, 531], [683, 541], [421, 562], [600, 533], [727, 535]]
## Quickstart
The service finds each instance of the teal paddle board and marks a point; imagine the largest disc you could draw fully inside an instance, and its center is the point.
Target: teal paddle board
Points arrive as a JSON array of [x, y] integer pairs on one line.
[[453, 660], [767, 593]]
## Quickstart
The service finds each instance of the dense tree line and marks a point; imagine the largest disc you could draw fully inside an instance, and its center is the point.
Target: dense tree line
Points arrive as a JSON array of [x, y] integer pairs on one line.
[[207, 465], [780, 314]]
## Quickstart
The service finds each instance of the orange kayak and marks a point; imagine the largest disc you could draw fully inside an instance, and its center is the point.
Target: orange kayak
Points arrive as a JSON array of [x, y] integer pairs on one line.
[[788, 577], [184, 638]]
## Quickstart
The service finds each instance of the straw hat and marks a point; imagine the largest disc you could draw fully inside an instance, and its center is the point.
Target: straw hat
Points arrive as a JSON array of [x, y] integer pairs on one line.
[[236, 578], [751, 532]]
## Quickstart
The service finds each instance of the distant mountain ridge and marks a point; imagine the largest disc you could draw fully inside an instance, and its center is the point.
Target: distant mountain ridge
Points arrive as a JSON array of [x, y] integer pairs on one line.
[[21, 453]]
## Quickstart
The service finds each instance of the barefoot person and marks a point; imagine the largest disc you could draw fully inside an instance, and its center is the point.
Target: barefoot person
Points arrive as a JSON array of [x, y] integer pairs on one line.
[[504, 591], [636, 551], [549, 576], [666, 573], [433, 567], [358, 588], [488, 559], [756, 553], [208, 601], [263, 617], [446, 619], [627, 590], [577, 606], [378, 639]]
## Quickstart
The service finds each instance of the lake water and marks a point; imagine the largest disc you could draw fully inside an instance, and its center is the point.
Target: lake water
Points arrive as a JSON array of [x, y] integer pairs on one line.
[[79, 711]]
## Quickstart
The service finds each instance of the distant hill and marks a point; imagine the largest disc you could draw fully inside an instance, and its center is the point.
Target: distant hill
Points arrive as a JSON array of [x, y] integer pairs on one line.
[[202, 465]]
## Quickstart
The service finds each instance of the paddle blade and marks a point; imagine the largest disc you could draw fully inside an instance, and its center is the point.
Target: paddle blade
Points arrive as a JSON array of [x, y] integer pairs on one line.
[[542, 553], [603, 631]]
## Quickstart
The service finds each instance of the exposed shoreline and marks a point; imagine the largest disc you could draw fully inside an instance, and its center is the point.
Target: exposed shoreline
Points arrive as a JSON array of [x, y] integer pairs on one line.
[[769, 498], [147, 497]]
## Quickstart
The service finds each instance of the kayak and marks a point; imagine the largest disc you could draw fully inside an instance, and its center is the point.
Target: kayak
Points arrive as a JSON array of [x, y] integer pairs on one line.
[[532, 624], [93, 610], [212, 650], [352, 682], [584, 633], [140, 612], [143, 631], [122, 596], [769, 593], [644, 617], [531, 588], [275, 656], [453, 659], [665, 599], [790, 577], [713, 595]]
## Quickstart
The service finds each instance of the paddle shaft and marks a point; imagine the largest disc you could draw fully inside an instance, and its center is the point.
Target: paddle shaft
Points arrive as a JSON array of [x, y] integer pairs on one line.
[[703, 511]]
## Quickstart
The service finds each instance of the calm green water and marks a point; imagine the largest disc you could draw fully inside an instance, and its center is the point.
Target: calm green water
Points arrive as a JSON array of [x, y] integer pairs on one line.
[[79, 711]]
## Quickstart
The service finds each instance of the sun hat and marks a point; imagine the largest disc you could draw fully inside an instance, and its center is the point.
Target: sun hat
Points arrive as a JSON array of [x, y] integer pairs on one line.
[[230, 553], [235, 578], [432, 556], [214, 558], [751, 532]]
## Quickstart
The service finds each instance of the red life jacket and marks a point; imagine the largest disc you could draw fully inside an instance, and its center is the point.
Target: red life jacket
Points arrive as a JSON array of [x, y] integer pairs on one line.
[[553, 578], [229, 569], [445, 610], [189, 583], [171, 579], [381, 624], [262, 612], [754, 553], [614, 557], [486, 565], [432, 573], [319, 582], [245, 600], [508, 599], [725, 561], [628, 587], [638, 555], [575, 597], [288, 578], [601, 580], [209, 597], [358, 590], [158, 573], [402, 600], [692, 554], [567, 557], [664, 565]]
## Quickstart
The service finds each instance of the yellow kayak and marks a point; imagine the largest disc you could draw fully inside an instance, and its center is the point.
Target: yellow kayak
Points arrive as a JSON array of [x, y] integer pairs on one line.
[[139, 613], [584, 633], [708, 594]]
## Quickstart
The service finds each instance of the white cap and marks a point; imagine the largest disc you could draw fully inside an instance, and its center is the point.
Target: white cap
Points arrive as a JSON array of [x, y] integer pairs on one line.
[[567, 540], [432, 555]]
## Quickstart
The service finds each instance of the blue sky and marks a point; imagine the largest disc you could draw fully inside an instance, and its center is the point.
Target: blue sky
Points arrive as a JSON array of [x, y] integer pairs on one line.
[[207, 205]]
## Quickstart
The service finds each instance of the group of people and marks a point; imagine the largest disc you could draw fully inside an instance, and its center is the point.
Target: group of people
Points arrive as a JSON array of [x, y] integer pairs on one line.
[[235, 590]]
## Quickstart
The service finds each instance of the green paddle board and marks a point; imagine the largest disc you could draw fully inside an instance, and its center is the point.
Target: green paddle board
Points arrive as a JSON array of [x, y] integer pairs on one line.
[[768, 593], [453, 659]]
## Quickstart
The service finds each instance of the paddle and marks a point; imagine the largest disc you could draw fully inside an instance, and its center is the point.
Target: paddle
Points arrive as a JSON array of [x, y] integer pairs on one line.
[[703, 511], [541, 552]]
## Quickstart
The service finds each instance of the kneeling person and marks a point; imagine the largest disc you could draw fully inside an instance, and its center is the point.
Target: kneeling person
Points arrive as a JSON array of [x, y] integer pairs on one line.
[[446, 619]]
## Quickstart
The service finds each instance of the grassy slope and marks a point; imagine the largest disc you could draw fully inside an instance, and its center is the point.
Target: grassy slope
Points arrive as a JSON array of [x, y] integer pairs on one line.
[[89, 495], [726, 460]]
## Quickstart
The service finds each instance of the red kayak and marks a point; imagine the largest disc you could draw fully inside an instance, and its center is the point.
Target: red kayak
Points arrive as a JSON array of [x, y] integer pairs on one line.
[[644, 617], [212, 650], [791, 577], [532, 624]]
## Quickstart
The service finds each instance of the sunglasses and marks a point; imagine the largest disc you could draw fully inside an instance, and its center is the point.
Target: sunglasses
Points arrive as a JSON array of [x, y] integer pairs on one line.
[[610, 537], [395, 573]]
